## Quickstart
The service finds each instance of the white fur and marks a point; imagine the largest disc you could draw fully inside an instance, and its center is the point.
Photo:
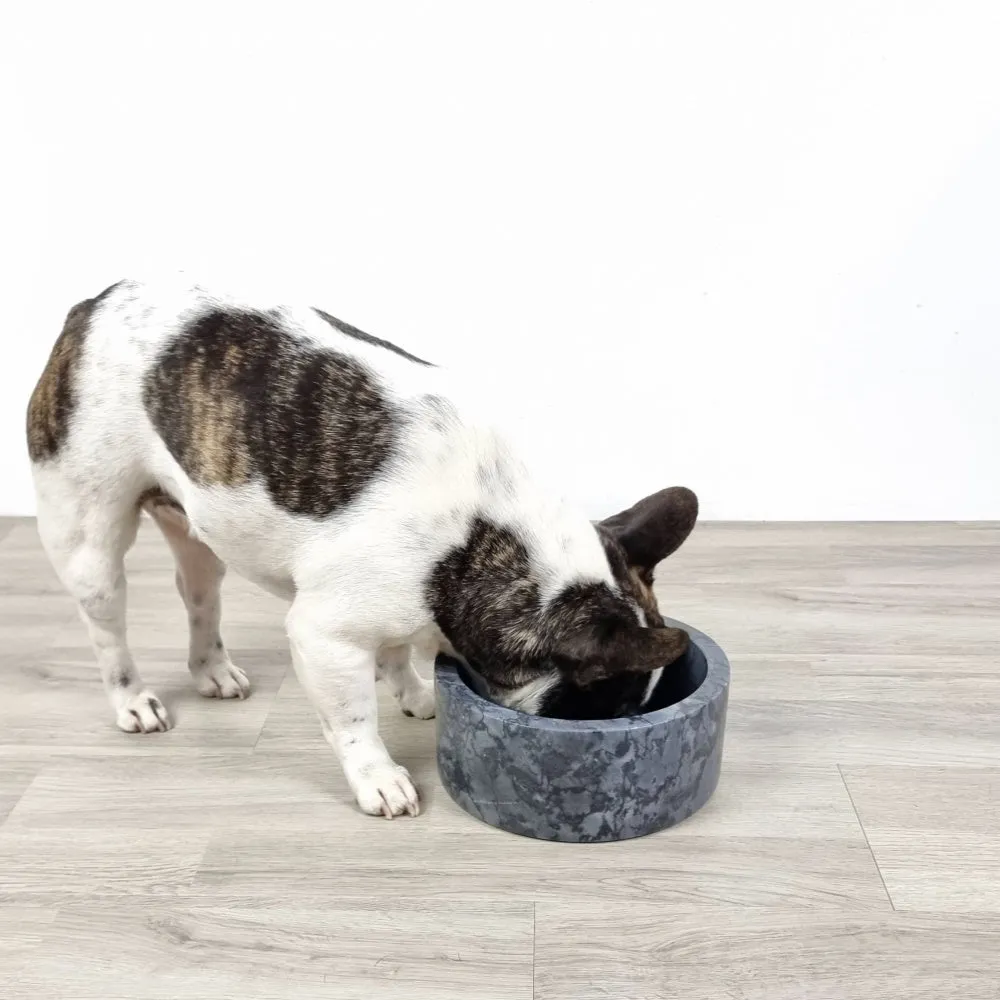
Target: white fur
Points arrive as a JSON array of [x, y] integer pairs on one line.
[[654, 679], [528, 698], [355, 578]]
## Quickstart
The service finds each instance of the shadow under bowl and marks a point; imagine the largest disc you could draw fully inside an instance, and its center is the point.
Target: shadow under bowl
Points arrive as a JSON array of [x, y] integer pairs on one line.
[[587, 781]]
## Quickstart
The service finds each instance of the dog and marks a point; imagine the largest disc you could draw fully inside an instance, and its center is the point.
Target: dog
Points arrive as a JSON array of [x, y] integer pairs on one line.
[[357, 481]]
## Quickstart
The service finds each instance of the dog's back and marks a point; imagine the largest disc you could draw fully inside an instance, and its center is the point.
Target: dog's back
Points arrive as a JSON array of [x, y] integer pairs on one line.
[[297, 418]]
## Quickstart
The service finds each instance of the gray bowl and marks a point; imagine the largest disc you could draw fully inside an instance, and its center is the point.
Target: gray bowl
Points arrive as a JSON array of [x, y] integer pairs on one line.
[[591, 781]]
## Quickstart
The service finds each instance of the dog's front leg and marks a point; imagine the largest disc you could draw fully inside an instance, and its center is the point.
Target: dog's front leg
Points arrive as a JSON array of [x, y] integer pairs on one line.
[[338, 674]]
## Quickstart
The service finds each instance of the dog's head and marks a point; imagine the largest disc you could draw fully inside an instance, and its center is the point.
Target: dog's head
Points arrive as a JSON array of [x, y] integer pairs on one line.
[[592, 651]]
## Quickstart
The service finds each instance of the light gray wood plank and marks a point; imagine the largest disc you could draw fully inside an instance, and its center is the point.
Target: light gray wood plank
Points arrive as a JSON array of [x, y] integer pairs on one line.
[[935, 833], [217, 790], [26, 569], [648, 952], [835, 565], [16, 519], [354, 951], [29, 625], [444, 854], [15, 777], [809, 621], [306, 791], [794, 712], [806, 534], [920, 565], [55, 705], [807, 802], [23, 929], [110, 859], [287, 820], [847, 553], [901, 667]]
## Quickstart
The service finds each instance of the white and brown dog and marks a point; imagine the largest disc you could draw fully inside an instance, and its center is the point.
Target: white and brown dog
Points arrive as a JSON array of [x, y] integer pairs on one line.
[[347, 476]]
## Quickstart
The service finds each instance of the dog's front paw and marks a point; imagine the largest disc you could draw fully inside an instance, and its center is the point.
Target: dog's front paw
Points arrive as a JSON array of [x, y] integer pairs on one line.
[[385, 790], [143, 713], [220, 680], [418, 702]]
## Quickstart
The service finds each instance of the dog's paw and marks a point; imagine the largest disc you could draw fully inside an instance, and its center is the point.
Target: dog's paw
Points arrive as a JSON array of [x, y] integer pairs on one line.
[[418, 702], [143, 713], [386, 790], [221, 680]]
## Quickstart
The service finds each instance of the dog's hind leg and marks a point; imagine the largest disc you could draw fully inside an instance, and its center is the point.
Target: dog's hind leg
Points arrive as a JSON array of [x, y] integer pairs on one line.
[[414, 695], [199, 582], [86, 535]]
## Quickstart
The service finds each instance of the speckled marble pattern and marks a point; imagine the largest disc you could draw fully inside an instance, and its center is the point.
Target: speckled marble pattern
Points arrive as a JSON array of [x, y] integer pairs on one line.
[[583, 782]]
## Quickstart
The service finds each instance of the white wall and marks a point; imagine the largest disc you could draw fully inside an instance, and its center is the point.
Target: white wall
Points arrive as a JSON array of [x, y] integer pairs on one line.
[[753, 248]]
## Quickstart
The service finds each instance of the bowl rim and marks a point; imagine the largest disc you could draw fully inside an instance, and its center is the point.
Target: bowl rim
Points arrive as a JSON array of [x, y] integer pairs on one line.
[[715, 684]]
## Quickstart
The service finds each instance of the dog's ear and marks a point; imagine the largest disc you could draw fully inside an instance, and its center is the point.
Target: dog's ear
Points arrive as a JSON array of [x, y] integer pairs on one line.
[[654, 527], [629, 648]]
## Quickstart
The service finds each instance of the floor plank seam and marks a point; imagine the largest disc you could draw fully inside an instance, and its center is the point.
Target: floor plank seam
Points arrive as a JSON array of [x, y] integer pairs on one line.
[[267, 714], [864, 833]]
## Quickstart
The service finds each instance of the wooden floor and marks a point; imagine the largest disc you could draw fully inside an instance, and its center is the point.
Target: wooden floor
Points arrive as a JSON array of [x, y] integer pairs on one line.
[[852, 849]]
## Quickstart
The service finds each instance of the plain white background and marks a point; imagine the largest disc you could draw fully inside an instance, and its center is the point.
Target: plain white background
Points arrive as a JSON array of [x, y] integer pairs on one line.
[[751, 248]]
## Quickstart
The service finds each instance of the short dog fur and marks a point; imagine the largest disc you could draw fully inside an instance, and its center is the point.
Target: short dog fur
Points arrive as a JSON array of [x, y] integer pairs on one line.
[[351, 478]]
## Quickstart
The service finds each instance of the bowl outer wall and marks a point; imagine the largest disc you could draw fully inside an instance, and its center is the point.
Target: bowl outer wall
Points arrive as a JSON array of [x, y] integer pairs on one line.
[[583, 781]]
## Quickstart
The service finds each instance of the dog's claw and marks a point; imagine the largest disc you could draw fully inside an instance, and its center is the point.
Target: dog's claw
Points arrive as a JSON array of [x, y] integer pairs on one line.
[[385, 790]]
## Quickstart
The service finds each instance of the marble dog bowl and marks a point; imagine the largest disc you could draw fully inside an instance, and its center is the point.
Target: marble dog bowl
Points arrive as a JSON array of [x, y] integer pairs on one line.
[[587, 781]]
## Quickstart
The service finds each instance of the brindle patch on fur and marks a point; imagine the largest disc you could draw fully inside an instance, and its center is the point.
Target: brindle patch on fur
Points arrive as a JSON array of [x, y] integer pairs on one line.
[[353, 331], [645, 598], [53, 401], [483, 600], [636, 583], [236, 399]]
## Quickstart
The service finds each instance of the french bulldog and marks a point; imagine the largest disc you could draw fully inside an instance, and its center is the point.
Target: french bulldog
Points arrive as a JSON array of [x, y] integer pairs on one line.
[[353, 479]]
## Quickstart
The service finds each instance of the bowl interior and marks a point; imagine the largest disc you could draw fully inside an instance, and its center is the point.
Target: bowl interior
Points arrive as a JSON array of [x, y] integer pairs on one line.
[[679, 679], [682, 678]]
